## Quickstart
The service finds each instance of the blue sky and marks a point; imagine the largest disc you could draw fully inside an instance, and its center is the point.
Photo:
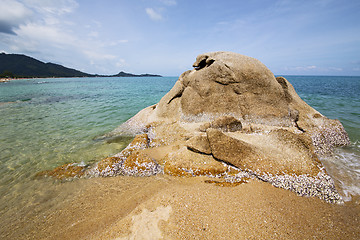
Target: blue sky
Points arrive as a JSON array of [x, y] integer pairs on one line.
[[315, 37]]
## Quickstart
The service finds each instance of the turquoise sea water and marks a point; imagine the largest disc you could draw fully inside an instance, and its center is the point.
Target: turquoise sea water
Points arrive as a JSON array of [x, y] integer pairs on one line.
[[45, 123]]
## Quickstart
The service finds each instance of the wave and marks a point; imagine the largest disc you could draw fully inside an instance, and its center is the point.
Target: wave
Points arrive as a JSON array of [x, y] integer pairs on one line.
[[344, 167]]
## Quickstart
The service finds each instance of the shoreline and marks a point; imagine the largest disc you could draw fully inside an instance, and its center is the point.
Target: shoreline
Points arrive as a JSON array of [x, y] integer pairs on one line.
[[2, 80]]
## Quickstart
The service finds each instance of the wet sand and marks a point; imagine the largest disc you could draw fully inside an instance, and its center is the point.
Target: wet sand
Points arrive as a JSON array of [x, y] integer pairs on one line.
[[164, 207]]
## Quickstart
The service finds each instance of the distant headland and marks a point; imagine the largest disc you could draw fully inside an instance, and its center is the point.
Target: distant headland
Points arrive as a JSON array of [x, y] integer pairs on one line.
[[22, 66]]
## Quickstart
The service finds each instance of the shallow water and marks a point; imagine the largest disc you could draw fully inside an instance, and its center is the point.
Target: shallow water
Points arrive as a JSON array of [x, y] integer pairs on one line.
[[49, 122]]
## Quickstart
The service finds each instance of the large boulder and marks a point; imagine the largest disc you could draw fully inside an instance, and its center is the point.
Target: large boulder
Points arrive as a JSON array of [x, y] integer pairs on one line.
[[233, 85], [231, 112], [230, 84]]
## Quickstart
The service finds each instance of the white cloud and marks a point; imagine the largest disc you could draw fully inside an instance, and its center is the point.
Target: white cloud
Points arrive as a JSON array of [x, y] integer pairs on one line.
[[35, 36], [337, 69], [306, 68], [58, 7], [153, 14], [98, 56], [312, 69], [13, 13], [57, 43], [156, 13], [169, 2], [51, 34], [116, 43], [13, 9], [302, 68]]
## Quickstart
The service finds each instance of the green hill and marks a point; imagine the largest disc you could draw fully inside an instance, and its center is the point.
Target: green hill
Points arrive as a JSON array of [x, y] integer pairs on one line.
[[22, 66], [17, 65], [124, 74]]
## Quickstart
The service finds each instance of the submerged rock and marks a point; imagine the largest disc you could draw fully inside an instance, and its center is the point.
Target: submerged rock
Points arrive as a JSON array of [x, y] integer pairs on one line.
[[64, 172]]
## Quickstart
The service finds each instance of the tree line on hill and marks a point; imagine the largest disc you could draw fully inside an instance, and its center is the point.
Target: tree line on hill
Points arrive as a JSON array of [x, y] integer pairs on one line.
[[22, 66]]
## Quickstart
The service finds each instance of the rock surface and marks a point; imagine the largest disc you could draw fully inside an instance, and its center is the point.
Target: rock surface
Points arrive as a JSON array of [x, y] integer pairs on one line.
[[231, 118], [64, 172]]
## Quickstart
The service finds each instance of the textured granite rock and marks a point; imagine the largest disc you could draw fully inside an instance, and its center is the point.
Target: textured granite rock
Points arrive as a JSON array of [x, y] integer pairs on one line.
[[231, 118]]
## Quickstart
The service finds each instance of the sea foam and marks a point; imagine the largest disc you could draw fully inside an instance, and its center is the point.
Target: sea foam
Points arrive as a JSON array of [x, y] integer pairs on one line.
[[344, 167]]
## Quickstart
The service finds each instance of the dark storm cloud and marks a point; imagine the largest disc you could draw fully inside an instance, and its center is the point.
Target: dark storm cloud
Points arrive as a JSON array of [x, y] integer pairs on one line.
[[6, 28], [13, 14]]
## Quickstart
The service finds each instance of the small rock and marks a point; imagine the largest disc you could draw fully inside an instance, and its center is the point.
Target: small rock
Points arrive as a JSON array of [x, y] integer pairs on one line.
[[66, 171], [199, 144], [233, 151]]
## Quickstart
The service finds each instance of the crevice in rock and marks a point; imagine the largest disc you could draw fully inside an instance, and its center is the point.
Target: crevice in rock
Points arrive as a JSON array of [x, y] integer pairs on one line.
[[298, 127], [227, 163], [296, 120], [227, 66], [295, 115], [282, 82], [224, 84], [201, 64], [205, 62], [209, 62], [179, 94], [196, 151]]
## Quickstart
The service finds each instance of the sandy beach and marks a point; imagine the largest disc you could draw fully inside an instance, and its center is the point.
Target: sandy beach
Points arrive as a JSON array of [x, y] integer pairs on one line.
[[164, 207]]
